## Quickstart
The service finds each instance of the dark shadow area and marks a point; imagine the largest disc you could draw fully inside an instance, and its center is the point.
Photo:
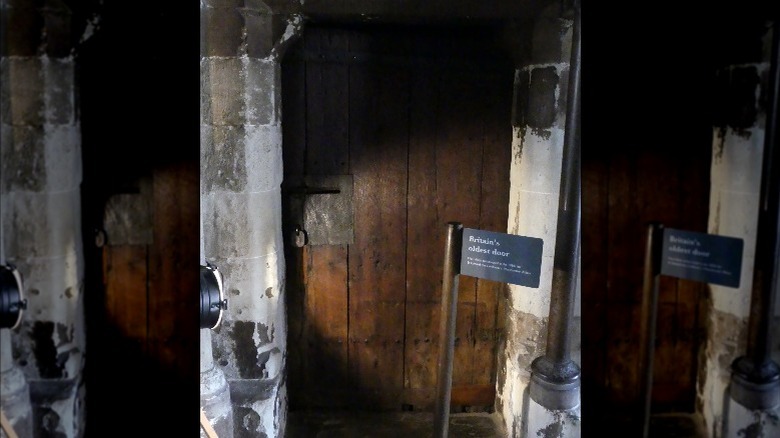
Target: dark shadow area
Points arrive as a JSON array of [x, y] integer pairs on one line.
[[138, 84], [651, 99]]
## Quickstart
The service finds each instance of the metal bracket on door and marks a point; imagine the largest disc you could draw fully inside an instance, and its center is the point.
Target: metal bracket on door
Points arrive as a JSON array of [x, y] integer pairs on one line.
[[325, 208]]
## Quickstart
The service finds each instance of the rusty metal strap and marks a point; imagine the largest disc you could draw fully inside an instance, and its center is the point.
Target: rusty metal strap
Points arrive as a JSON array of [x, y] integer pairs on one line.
[[6, 425], [204, 423]]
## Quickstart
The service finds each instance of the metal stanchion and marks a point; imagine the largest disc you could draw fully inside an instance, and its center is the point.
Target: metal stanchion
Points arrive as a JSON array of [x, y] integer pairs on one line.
[[650, 283], [449, 308]]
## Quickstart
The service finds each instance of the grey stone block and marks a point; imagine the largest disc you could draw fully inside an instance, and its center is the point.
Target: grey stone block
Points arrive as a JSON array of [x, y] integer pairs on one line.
[[541, 98], [42, 224], [22, 158], [53, 288], [241, 225], [223, 161], [222, 3], [23, 29], [62, 145], [549, 45], [58, 32], [128, 219], [23, 103], [263, 150], [59, 91], [222, 92], [260, 34], [263, 91], [253, 288], [224, 28]]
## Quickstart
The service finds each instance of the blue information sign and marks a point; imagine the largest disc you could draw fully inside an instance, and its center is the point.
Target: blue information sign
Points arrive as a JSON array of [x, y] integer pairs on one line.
[[702, 257], [501, 257]]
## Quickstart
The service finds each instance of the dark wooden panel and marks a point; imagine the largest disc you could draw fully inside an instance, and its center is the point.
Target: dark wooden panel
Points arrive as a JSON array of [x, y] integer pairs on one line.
[[294, 125], [327, 116], [668, 184], [418, 144], [425, 233], [173, 341], [459, 164], [463, 395], [325, 308], [377, 260], [126, 278], [494, 99]]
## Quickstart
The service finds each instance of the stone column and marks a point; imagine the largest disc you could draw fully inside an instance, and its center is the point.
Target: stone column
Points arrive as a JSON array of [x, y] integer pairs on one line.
[[40, 177], [241, 173], [14, 391], [539, 118]]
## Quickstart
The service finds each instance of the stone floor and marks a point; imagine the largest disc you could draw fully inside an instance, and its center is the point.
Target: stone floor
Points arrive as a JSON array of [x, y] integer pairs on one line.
[[419, 425], [677, 426], [386, 425]]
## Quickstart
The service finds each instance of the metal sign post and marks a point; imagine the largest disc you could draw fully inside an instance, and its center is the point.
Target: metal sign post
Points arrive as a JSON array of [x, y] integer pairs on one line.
[[449, 307]]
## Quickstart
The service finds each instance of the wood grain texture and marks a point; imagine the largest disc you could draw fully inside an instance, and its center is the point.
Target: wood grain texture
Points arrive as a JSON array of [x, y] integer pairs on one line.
[[126, 291], [377, 260], [173, 314], [420, 135], [624, 190]]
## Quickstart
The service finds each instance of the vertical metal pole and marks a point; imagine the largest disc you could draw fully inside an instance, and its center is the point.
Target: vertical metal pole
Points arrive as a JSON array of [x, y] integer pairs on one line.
[[555, 378], [449, 308], [650, 280]]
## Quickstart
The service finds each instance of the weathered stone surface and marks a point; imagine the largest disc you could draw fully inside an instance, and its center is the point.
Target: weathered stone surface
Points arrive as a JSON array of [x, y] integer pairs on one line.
[[222, 92], [542, 104], [247, 283], [22, 29], [223, 31], [128, 219], [42, 224], [22, 100], [58, 31], [737, 103], [223, 159], [62, 145], [22, 162], [59, 93], [242, 225], [263, 91]]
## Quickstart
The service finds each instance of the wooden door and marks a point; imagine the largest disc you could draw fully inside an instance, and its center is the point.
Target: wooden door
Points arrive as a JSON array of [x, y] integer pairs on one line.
[[419, 122], [650, 178]]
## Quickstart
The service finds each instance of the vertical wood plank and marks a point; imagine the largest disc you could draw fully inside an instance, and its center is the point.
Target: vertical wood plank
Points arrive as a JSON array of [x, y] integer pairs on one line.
[[327, 81], [325, 307], [173, 273], [459, 160], [494, 89], [594, 283], [326, 148], [625, 243], [126, 306], [426, 229], [377, 264]]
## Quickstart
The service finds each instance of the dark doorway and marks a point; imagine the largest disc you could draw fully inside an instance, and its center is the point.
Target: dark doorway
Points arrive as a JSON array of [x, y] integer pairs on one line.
[[413, 127]]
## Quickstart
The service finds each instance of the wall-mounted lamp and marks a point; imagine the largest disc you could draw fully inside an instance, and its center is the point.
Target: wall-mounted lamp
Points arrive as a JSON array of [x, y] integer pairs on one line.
[[212, 299], [12, 302]]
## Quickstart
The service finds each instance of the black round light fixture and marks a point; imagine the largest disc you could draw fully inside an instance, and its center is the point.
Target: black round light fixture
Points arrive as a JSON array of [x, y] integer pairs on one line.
[[12, 302], [212, 300]]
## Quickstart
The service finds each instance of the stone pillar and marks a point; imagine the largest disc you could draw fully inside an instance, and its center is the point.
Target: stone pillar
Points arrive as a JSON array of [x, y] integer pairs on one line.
[[241, 173], [14, 391], [40, 175], [737, 150], [214, 391], [538, 125]]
